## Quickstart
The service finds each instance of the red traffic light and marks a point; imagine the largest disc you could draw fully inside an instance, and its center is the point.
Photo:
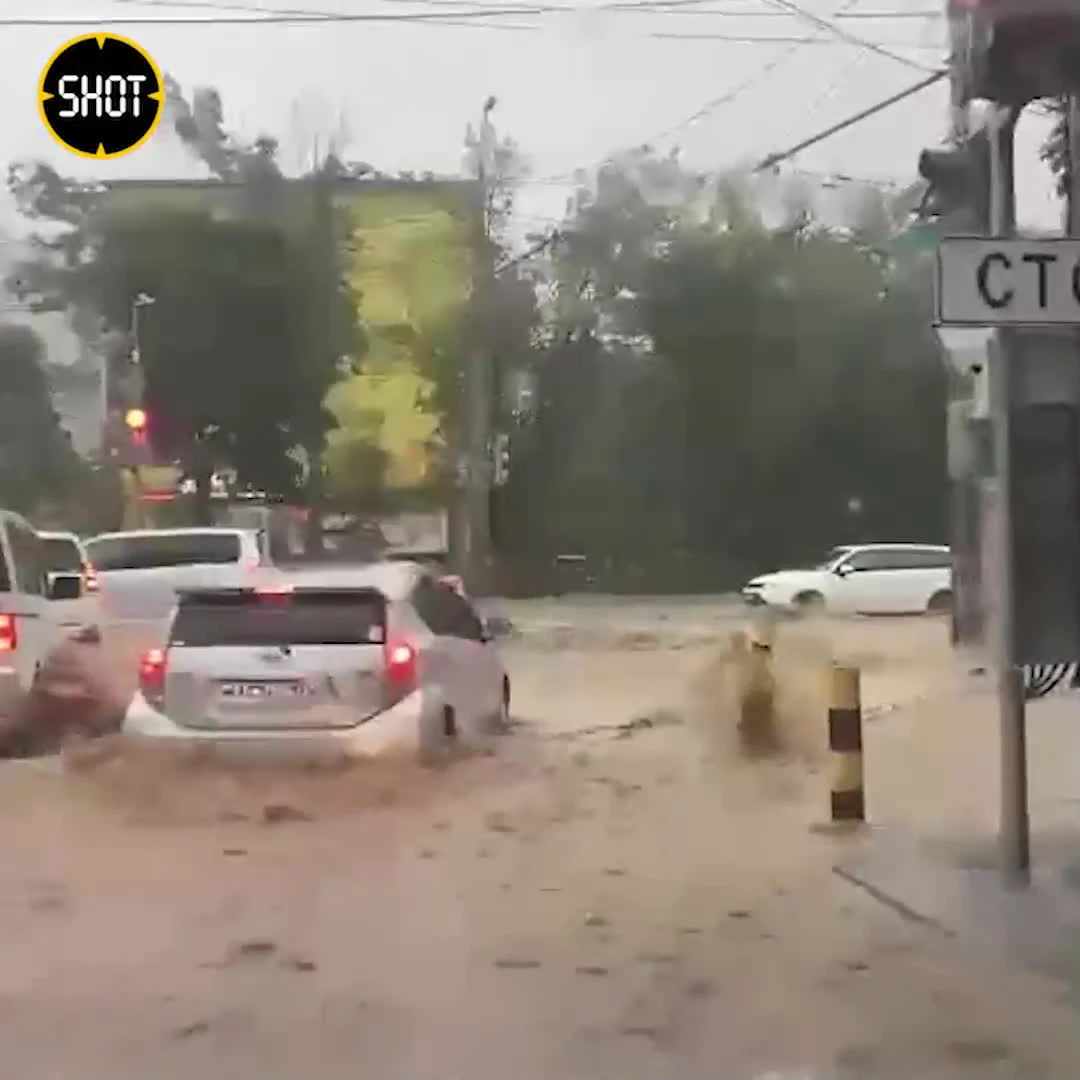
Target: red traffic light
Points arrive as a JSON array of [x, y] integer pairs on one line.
[[135, 420]]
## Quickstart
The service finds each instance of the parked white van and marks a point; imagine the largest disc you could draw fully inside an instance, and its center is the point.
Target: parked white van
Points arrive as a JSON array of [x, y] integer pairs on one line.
[[28, 629]]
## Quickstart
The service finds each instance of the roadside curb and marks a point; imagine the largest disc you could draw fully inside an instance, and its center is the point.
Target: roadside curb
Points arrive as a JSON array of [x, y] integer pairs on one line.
[[928, 880]]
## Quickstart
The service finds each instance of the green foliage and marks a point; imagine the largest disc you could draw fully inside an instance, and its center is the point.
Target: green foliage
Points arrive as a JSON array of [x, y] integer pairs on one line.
[[224, 344], [724, 396], [253, 318], [1055, 150], [37, 461]]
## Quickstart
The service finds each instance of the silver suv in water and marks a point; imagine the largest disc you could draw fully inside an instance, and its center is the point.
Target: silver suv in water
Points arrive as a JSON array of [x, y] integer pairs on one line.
[[345, 662]]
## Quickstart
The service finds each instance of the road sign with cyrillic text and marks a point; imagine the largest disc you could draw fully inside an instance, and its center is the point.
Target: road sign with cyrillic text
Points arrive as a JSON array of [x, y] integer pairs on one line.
[[987, 282]]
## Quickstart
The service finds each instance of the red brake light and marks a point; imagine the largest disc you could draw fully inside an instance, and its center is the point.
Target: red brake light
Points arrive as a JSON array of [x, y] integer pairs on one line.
[[400, 668], [9, 637], [152, 670], [271, 594]]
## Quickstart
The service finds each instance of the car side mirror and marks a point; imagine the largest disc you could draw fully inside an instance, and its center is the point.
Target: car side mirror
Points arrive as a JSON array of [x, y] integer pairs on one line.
[[843, 570], [64, 587]]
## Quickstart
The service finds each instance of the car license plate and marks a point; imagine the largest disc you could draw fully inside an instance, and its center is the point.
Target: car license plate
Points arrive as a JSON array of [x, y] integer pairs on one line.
[[264, 691]]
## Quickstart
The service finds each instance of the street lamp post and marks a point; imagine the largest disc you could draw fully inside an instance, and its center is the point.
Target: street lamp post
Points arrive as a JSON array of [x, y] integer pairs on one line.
[[142, 300], [135, 415]]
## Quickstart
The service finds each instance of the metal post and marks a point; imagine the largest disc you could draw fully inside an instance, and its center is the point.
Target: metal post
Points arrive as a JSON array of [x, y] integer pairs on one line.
[[477, 518], [963, 517], [1072, 219], [1014, 825]]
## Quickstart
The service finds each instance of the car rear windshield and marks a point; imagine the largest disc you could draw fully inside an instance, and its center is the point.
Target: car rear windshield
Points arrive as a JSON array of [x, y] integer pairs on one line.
[[61, 555], [148, 551], [301, 618]]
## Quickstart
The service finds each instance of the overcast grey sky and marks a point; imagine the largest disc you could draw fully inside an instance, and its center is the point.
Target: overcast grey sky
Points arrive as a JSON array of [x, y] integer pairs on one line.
[[573, 84]]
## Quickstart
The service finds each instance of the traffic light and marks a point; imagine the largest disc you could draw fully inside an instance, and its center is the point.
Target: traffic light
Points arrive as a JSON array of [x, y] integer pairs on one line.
[[958, 195], [136, 420]]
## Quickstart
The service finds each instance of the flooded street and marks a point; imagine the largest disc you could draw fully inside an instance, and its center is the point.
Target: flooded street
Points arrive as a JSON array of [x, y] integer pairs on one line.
[[611, 893]]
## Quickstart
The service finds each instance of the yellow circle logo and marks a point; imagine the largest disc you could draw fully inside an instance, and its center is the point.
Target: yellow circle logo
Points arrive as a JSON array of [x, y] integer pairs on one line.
[[101, 96]]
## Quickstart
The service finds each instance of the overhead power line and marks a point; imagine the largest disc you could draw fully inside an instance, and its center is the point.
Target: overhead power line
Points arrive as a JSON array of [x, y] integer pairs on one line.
[[440, 13], [842, 34], [673, 7], [778, 39], [935, 14], [433, 17], [775, 159], [726, 98], [691, 8]]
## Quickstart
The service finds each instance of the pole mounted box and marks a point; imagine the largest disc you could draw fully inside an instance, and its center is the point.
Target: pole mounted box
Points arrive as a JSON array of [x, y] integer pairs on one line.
[[1044, 451], [1013, 51]]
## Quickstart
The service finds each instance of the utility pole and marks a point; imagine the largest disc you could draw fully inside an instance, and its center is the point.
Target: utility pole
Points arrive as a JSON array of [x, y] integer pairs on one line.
[[972, 194], [965, 622], [136, 395], [957, 200], [475, 520], [1072, 195], [1014, 825]]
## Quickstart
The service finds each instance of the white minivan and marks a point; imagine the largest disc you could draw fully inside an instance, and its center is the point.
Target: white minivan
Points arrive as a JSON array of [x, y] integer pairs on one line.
[[28, 629], [140, 572]]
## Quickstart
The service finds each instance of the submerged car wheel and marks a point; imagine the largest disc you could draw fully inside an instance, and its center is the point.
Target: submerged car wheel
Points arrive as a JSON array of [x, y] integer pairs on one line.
[[438, 733]]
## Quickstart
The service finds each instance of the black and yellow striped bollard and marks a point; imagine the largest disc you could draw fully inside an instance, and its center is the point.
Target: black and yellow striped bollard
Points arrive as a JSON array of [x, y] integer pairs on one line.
[[847, 794]]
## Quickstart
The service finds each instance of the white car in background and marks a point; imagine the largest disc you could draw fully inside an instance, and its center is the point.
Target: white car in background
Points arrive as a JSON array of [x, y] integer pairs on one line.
[[64, 555], [864, 579], [140, 572], [345, 663]]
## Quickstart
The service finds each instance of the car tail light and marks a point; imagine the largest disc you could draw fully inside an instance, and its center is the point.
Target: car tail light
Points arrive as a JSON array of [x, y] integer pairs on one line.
[[9, 635], [152, 670], [274, 594], [399, 669], [90, 579]]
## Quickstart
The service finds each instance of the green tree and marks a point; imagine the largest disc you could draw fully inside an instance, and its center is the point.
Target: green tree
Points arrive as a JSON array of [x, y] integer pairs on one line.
[[223, 346], [321, 234], [1055, 148], [37, 462], [719, 395], [85, 258]]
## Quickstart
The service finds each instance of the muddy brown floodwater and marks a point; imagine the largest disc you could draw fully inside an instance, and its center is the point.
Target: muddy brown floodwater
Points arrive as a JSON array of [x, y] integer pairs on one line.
[[613, 893]]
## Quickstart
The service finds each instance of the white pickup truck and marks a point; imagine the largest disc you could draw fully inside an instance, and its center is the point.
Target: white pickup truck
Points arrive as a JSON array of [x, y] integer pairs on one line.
[[139, 572]]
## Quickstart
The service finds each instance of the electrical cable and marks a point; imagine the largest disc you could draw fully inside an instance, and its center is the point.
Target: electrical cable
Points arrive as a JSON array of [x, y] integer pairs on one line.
[[772, 160], [710, 106], [928, 14], [842, 34], [463, 13], [686, 7], [434, 18], [779, 39]]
